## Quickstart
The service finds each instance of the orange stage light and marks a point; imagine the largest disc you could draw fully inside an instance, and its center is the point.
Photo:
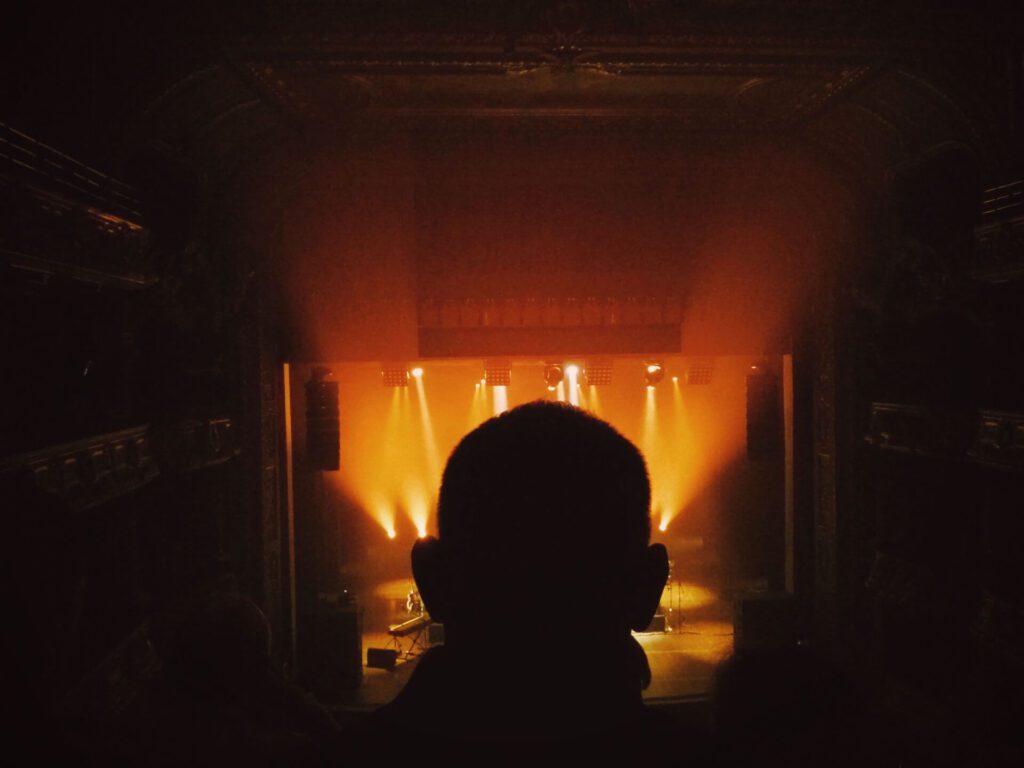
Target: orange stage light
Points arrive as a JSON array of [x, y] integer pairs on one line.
[[500, 399], [394, 440], [572, 372]]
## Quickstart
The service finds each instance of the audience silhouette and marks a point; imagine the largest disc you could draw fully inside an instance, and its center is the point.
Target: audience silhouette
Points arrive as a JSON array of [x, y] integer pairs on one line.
[[541, 568], [789, 706], [219, 700]]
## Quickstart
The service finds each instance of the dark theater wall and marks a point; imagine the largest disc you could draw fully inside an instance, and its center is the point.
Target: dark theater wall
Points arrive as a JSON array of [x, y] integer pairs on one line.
[[348, 249], [736, 234]]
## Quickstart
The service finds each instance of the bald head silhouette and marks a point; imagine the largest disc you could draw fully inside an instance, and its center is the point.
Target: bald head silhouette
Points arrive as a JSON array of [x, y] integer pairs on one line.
[[543, 523]]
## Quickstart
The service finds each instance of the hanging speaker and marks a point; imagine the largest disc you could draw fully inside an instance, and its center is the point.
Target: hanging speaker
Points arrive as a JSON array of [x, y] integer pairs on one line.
[[323, 441], [764, 414]]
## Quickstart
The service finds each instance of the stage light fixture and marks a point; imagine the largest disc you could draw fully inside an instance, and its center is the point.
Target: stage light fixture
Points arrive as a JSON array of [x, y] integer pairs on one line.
[[700, 371], [416, 372], [394, 375], [322, 430], [553, 376], [572, 371], [599, 373], [497, 373], [653, 374]]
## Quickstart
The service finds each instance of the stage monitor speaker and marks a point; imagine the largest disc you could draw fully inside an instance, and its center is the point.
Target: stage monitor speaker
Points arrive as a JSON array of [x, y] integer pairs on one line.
[[381, 658], [330, 648], [323, 432], [435, 634], [764, 414]]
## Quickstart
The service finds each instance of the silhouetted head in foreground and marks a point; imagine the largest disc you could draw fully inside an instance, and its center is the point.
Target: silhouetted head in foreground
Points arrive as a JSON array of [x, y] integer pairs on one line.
[[542, 564]]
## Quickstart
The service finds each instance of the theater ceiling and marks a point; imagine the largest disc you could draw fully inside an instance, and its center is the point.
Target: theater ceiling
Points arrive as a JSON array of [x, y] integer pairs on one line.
[[871, 88]]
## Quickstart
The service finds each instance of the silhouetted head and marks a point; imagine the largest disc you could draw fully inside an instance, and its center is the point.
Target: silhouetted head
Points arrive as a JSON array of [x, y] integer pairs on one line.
[[544, 524]]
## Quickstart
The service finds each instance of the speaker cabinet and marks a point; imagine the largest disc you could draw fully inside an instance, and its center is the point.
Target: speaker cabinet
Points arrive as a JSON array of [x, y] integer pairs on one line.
[[323, 431], [435, 634], [330, 652], [765, 438]]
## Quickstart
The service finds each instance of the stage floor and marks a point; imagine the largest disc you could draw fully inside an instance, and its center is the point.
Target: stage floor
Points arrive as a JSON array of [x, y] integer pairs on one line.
[[682, 659]]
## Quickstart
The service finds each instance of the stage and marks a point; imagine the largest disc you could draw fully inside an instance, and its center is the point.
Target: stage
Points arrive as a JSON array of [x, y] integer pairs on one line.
[[699, 635], [719, 510]]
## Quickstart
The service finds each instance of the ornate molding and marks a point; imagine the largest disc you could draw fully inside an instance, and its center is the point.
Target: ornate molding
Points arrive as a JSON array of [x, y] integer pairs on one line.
[[60, 217], [95, 470], [199, 443], [834, 88], [89, 472], [46, 170], [267, 62], [514, 311], [999, 440], [532, 341], [838, 42], [915, 430], [999, 239], [458, 67]]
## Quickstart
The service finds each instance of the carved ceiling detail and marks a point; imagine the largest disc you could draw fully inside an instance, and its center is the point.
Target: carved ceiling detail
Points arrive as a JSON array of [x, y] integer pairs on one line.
[[704, 66]]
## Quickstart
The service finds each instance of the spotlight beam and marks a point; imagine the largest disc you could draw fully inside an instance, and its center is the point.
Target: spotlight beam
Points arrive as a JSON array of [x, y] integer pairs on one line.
[[500, 399], [572, 372], [429, 442]]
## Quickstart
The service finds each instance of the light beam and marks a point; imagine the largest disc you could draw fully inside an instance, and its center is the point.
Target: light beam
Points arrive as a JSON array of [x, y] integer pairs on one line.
[[500, 399], [429, 442], [572, 372]]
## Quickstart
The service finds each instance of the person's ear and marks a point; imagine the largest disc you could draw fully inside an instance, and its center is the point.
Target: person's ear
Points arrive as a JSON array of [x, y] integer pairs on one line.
[[430, 569], [648, 584]]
